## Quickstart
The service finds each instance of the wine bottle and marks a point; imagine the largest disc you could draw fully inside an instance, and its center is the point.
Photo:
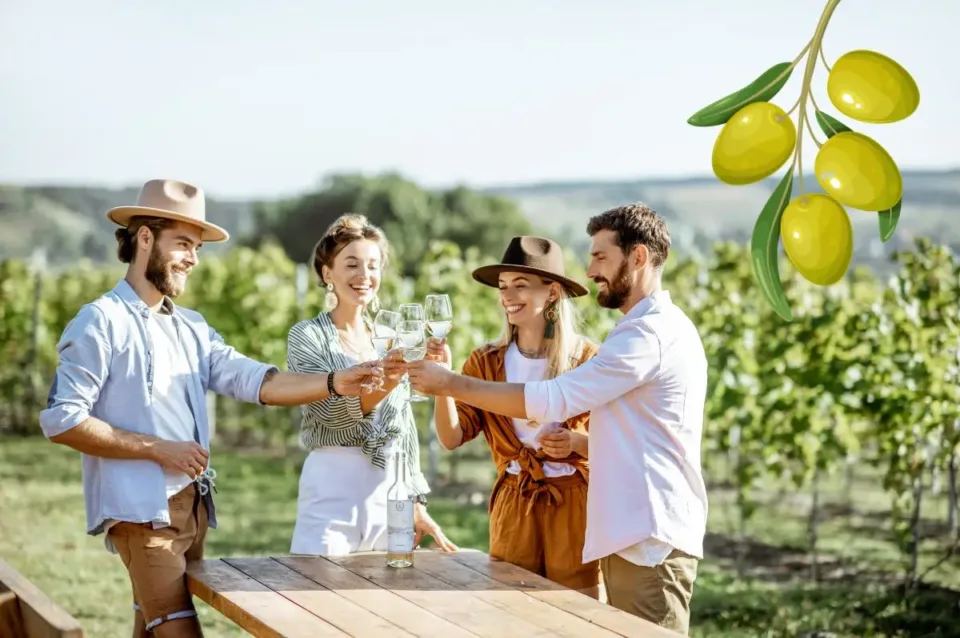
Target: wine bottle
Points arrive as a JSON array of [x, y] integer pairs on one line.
[[400, 532]]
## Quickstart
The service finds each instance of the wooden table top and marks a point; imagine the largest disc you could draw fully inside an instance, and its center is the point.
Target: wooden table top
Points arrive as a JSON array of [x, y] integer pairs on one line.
[[457, 595]]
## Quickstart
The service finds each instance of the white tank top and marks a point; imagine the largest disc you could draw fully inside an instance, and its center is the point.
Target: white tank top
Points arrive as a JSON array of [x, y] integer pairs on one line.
[[520, 369]]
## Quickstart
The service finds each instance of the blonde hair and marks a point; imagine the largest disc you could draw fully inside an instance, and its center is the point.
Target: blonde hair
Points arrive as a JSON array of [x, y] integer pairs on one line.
[[565, 349]]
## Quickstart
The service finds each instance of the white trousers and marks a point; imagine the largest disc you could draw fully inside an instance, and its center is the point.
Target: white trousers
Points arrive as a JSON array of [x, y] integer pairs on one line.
[[342, 504]]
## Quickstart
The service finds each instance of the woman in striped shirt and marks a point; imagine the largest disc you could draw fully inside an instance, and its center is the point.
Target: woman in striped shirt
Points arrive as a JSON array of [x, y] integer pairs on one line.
[[342, 501]]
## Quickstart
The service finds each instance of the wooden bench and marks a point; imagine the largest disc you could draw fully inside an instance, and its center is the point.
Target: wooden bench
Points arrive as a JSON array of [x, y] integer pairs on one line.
[[458, 595], [26, 612]]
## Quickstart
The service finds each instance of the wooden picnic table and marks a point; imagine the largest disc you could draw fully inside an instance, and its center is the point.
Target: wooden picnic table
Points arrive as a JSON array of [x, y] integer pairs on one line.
[[456, 595]]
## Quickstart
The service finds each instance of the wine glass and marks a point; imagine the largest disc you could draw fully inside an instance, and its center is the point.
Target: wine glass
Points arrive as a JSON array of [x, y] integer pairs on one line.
[[411, 312], [384, 337], [385, 326], [410, 336], [439, 314]]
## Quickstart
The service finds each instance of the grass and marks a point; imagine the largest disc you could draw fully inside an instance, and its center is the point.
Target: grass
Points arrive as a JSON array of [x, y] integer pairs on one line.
[[42, 529], [42, 535]]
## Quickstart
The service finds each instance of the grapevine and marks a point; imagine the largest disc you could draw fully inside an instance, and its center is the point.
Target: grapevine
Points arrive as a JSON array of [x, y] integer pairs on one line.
[[866, 373]]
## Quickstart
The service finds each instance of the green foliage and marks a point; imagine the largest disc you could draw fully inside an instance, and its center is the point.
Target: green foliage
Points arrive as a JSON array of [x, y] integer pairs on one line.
[[888, 220], [763, 89], [402, 209], [830, 125], [866, 371], [911, 383], [765, 245]]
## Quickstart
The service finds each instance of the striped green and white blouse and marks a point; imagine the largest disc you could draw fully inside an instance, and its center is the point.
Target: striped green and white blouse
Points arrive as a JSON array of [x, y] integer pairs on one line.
[[313, 346]]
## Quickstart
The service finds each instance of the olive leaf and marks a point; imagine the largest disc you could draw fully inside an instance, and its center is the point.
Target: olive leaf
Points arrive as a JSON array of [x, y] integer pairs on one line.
[[763, 89], [888, 221], [764, 247], [888, 218], [831, 125]]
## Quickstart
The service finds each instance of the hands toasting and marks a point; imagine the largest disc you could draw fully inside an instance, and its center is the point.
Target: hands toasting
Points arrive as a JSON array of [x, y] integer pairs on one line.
[[365, 377], [430, 375]]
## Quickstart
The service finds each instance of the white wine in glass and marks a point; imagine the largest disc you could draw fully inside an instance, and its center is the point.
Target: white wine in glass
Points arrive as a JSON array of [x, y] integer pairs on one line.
[[439, 315], [384, 335], [385, 331], [410, 336]]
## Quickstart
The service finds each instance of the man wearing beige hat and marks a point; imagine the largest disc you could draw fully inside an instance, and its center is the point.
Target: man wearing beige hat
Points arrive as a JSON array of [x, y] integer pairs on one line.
[[129, 393]]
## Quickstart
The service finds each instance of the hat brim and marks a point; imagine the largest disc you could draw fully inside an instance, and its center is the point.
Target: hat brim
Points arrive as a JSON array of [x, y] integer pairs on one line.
[[121, 216], [489, 276]]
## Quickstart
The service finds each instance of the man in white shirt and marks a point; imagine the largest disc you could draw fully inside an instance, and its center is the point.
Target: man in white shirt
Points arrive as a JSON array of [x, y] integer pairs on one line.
[[645, 391]]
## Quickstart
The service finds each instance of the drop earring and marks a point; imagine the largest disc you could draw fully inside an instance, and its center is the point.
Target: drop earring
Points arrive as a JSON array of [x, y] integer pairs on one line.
[[330, 300], [374, 305], [551, 315]]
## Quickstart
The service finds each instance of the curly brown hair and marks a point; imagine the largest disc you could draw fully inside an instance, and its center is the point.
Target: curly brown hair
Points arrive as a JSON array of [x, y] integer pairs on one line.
[[347, 229], [635, 224]]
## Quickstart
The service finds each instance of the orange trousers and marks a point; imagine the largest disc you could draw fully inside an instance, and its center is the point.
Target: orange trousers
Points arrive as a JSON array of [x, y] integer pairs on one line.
[[541, 526]]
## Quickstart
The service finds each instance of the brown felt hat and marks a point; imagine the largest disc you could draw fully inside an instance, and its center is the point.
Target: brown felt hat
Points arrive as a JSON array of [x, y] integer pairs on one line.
[[170, 199], [534, 255]]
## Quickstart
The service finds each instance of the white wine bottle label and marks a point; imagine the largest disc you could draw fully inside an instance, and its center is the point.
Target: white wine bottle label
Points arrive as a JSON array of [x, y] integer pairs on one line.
[[400, 534]]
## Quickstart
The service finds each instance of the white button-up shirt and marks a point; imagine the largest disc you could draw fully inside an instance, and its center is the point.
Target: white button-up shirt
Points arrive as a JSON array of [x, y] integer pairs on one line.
[[645, 391]]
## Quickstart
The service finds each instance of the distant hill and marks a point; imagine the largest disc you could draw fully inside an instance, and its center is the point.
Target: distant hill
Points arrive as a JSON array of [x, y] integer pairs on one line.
[[69, 222], [702, 210]]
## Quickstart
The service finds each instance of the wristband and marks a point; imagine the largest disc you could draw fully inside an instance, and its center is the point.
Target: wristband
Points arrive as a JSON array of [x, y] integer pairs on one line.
[[330, 388]]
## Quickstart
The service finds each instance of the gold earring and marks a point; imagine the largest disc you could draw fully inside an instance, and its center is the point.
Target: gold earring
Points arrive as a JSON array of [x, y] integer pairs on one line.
[[551, 315], [374, 305], [330, 299]]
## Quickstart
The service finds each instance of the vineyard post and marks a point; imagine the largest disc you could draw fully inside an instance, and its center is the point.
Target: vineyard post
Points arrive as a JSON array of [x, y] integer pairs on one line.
[[31, 370], [915, 522], [813, 534], [953, 467], [433, 448], [849, 467], [302, 279]]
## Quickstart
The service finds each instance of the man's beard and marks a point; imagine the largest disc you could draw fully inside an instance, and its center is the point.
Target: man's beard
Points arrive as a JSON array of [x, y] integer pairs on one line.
[[618, 290], [160, 274]]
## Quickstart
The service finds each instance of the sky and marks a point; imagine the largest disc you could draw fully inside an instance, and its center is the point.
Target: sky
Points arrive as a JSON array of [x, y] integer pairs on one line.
[[264, 99]]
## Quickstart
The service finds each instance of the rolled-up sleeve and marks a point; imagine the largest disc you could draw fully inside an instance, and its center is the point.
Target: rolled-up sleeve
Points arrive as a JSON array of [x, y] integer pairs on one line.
[[84, 361], [629, 358], [233, 374], [469, 417], [309, 355]]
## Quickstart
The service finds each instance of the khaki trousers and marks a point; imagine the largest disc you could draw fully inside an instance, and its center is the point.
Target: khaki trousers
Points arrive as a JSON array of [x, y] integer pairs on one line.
[[156, 560], [658, 594]]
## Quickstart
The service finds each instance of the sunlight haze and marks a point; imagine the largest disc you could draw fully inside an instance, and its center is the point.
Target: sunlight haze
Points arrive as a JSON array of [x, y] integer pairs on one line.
[[259, 99]]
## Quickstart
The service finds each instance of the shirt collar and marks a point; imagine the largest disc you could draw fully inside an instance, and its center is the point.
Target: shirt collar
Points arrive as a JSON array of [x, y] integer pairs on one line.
[[647, 304], [126, 292]]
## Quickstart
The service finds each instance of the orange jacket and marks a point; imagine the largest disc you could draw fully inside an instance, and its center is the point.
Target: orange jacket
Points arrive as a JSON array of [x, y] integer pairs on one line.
[[487, 362]]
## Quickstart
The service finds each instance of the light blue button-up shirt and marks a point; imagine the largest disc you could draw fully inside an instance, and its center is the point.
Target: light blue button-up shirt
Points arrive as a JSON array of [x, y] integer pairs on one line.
[[106, 371]]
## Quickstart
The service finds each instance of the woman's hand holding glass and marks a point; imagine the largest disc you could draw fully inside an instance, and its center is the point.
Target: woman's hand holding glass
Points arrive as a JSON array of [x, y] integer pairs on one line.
[[411, 339], [439, 351], [385, 326], [407, 343]]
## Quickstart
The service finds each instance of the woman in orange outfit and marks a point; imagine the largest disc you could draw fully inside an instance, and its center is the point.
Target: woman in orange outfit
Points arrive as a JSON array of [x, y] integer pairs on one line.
[[538, 502]]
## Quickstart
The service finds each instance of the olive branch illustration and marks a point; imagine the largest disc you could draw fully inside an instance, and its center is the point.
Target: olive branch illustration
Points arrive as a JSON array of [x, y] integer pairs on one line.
[[758, 137]]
